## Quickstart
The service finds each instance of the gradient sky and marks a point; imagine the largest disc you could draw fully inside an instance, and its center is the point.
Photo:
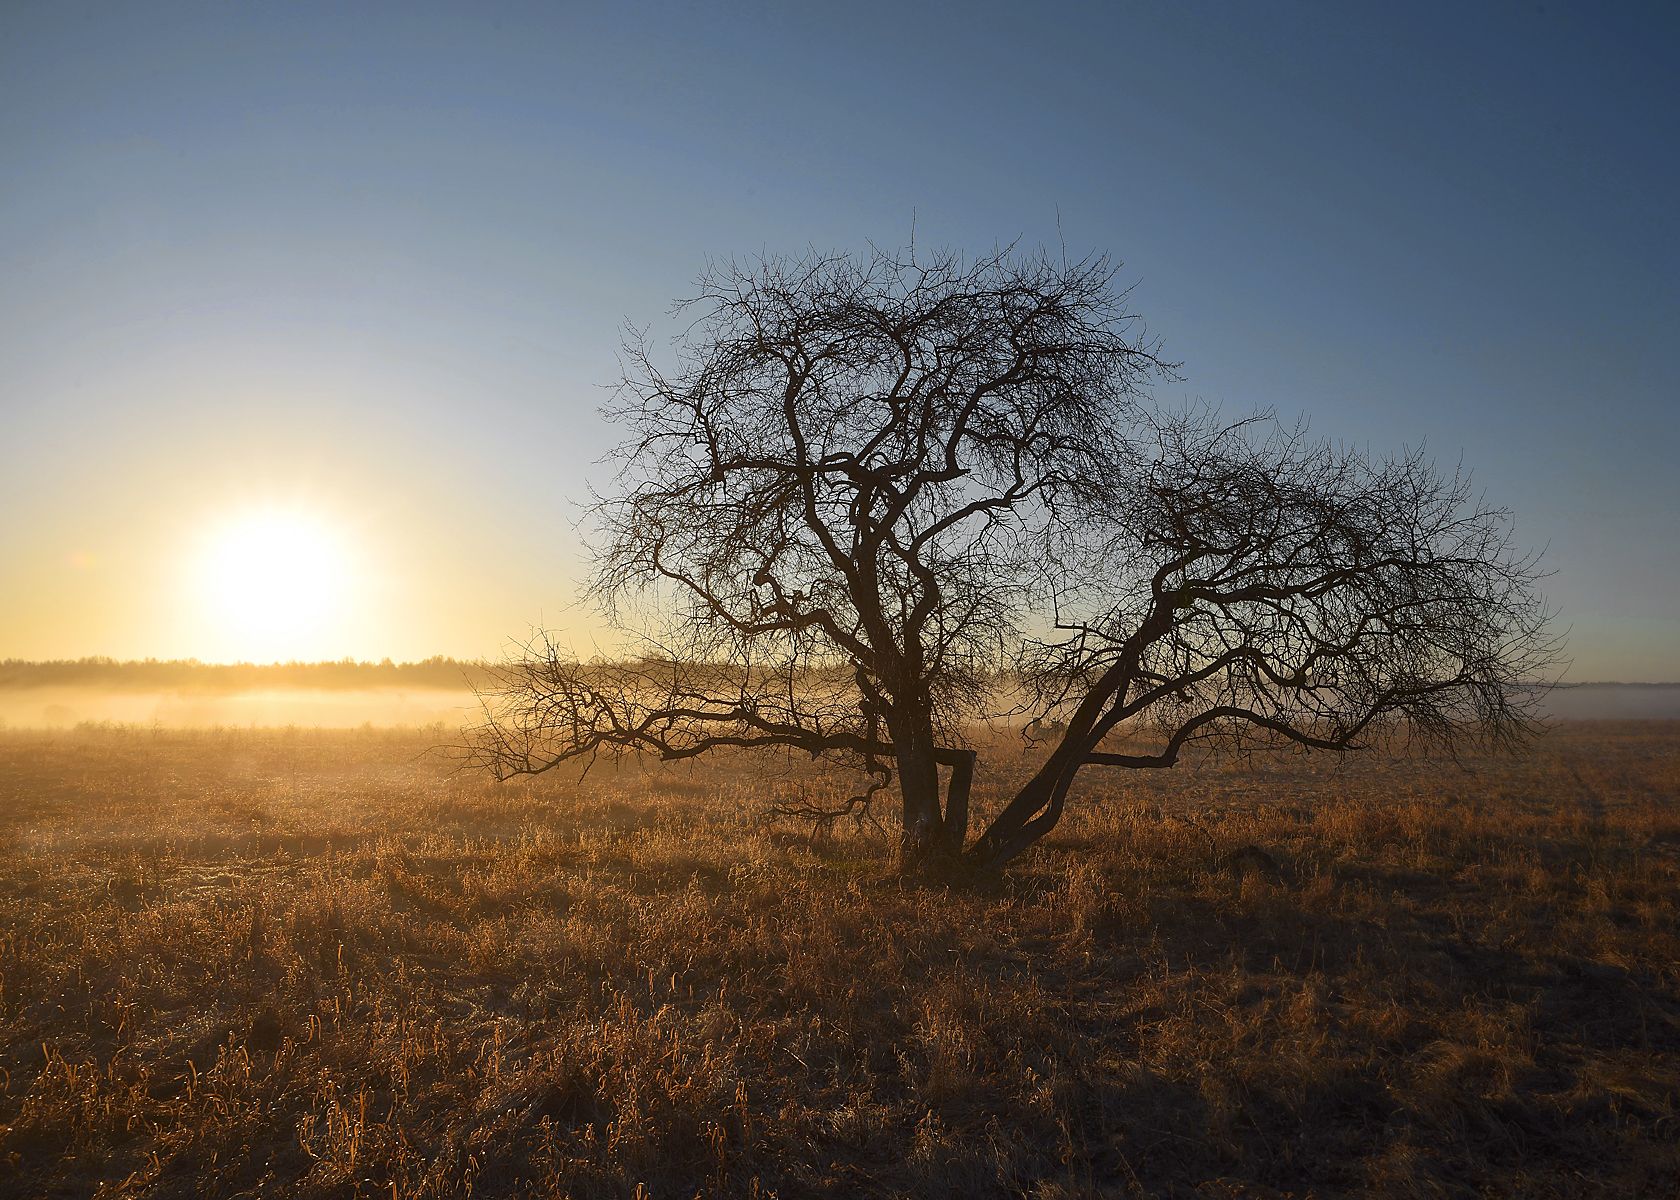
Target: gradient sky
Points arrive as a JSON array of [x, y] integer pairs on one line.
[[371, 262]]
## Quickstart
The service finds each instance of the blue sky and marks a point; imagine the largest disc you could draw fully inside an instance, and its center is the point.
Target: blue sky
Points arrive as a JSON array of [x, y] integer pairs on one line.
[[379, 256]]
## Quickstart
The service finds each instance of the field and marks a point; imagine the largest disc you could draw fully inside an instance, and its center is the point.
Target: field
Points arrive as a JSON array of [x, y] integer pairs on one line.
[[249, 963]]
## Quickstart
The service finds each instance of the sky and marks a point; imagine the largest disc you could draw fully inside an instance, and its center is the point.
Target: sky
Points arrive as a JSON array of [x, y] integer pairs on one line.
[[362, 270]]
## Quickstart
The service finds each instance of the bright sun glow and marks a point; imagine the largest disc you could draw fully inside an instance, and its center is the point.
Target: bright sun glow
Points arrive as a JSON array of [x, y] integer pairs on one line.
[[276, 583]]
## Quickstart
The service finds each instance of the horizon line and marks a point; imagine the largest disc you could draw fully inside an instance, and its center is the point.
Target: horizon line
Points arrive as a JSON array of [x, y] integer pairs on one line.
[[436, 661]]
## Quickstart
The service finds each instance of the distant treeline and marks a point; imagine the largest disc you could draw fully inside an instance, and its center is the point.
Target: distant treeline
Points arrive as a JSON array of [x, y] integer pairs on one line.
[[190, 674], [1616, 683], [346, 674]]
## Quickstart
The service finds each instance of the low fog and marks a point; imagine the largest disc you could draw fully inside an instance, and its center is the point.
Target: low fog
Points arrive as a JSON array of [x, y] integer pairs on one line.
[[66, 707], [63, 708]]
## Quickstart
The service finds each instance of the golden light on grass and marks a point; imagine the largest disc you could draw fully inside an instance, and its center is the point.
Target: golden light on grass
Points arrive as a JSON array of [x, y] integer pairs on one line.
[[275, 582], [307, 962]]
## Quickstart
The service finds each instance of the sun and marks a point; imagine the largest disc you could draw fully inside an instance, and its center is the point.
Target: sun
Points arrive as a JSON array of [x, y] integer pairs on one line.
[[275, 583]]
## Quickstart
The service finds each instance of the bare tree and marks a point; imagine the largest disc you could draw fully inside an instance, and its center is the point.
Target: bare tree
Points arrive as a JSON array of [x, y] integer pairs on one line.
[[880, 498]]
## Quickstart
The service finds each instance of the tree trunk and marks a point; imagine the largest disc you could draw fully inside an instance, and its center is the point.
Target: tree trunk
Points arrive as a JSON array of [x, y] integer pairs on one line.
[[956, 804], [918, 782], [1034, 812], [1004, 837]]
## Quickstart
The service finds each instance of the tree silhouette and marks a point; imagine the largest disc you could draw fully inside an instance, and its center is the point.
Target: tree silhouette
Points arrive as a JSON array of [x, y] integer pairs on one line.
[[880, 498]]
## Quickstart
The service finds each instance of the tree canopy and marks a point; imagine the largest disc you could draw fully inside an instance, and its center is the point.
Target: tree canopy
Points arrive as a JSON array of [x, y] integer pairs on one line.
[[877, 498]]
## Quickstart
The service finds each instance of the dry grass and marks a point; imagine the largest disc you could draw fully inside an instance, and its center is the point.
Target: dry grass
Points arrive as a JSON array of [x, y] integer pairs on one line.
[[316, 964]]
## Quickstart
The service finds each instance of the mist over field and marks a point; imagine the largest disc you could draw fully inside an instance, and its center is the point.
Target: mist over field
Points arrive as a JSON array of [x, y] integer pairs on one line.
[[191, 695], [1615, 702], [264, 697], [63, 708]]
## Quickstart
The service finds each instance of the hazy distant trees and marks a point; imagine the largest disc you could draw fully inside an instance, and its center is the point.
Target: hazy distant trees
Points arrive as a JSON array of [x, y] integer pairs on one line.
[[878, 498], [111, 675]]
